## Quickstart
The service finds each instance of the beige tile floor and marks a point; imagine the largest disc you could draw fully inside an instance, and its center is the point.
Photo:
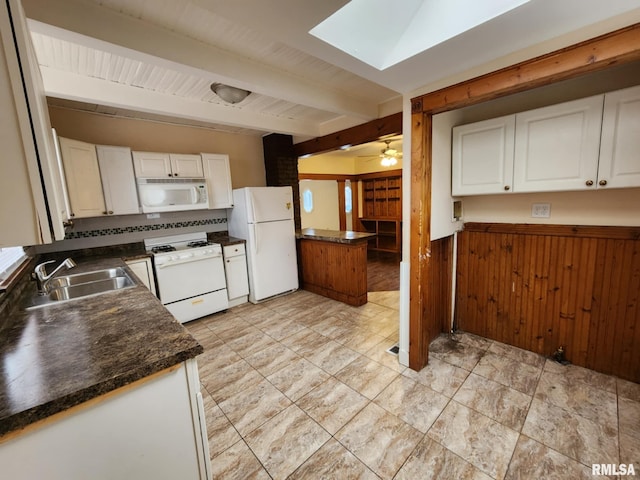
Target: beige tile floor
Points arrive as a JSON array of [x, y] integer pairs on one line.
[[302, 387]]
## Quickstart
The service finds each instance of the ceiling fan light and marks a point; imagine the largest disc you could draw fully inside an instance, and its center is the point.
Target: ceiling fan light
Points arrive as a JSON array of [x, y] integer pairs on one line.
[[390, 152], [228, 93], [388, 161]]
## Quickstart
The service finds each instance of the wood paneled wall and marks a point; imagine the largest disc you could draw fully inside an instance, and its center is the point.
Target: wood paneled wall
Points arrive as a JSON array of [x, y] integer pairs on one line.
[[540, 287]]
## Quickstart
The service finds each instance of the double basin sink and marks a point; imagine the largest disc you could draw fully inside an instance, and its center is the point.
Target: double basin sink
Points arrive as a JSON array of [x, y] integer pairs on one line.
[[79, 285]]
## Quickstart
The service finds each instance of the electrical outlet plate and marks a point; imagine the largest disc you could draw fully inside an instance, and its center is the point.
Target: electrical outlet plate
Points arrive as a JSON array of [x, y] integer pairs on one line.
[[541, 210], [151, 216]]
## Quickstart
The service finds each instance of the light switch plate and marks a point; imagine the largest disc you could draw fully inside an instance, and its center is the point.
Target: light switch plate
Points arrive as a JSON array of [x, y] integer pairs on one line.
[[541, 210]]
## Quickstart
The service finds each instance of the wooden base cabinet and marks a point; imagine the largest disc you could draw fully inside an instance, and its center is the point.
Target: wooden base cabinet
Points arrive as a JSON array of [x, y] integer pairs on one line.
[[335, 270], [153, 428]]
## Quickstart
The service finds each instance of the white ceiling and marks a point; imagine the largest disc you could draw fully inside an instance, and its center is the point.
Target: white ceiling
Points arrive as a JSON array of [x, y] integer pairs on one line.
[[156, 58]]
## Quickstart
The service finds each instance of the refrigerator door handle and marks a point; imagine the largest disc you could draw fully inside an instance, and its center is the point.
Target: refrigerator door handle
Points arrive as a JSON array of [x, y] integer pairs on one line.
[[252, 216], [255, 244]]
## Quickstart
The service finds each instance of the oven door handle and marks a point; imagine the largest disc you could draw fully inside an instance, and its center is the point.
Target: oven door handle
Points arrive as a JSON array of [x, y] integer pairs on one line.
[[187, 260]]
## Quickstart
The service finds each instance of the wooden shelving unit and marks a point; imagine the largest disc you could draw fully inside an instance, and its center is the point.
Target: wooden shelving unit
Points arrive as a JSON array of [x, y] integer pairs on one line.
[[382, 211]]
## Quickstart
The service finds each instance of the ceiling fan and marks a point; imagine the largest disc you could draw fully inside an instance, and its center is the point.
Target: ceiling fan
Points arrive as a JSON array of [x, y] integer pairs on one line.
[[389, 156]]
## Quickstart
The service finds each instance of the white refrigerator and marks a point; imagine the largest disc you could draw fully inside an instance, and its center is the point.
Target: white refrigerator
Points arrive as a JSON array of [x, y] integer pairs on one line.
[[263, 216]]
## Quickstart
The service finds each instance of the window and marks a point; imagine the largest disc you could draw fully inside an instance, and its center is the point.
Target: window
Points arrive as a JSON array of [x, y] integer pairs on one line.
[[348, 204], [307, 200], [10, 259]]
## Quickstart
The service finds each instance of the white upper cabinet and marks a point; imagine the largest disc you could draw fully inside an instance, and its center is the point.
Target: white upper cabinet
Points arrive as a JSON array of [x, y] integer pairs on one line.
[[586, 144], [482, 157], [557, 147], [186, 165], [29, 214], [152, 164], [118, 180], [159, 165], [218, 176], [620, 148], [83, 178]]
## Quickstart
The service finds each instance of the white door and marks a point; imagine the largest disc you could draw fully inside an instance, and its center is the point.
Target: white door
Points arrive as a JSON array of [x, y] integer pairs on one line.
[[272, 259], [152, 164], [482, 157], [144, 271], [557, 147], [267, 204], [218, 176], [118, 180], [620, 148], [83, 178], [235, 269], [186, 165]]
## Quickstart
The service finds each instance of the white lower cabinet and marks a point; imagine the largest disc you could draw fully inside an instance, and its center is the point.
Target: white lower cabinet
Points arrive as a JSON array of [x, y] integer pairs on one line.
[[235, 270], [143, 269], [153, 428]]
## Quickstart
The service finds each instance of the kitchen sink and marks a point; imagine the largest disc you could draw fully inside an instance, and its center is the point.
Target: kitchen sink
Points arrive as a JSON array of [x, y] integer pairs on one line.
[[80, 285], [83, 289], [88, 277]]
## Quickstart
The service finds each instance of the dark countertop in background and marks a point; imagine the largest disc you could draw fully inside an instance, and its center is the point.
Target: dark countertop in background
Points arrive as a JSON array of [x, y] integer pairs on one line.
[[55, 357], [224, 239], [335, 236]]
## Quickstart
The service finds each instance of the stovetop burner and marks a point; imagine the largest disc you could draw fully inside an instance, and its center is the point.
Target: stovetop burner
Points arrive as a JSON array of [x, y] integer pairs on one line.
[[198, 243], [163, 248]]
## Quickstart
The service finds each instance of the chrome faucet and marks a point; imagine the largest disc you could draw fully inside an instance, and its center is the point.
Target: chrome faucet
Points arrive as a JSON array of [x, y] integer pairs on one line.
[[42, 279]]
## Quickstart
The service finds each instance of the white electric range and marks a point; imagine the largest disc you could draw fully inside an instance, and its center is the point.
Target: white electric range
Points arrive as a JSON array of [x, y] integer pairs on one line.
[[190, 275]]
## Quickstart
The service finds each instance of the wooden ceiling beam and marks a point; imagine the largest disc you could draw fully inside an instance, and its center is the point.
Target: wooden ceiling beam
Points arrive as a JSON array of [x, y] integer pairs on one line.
[[615, 48], [365, 133]]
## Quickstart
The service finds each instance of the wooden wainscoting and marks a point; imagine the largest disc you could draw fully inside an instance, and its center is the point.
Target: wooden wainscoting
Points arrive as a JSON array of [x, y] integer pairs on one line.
[[540, 287]]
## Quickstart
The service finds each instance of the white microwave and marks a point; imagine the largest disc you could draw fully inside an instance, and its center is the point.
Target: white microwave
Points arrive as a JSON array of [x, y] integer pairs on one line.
[[172, 194]]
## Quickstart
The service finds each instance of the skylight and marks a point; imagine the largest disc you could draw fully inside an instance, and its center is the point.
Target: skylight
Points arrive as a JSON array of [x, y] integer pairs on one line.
[[383, 33]]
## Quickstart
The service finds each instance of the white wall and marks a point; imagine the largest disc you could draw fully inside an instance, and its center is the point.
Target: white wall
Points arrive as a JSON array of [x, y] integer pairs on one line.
[[246, 157], [601, 207], [442, 223], [325, 214]]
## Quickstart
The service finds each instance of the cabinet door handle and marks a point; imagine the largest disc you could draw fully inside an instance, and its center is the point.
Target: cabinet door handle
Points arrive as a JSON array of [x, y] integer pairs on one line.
[[110, 212], [589, 183], [507, 187], [602, 183]]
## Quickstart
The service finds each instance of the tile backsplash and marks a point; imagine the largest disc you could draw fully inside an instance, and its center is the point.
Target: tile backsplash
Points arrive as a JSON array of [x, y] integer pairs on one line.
[[116, 230]]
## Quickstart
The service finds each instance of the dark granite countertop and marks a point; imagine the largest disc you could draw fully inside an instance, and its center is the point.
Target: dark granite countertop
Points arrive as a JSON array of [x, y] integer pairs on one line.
[[224, 239], [55, 357], [335, 236]]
